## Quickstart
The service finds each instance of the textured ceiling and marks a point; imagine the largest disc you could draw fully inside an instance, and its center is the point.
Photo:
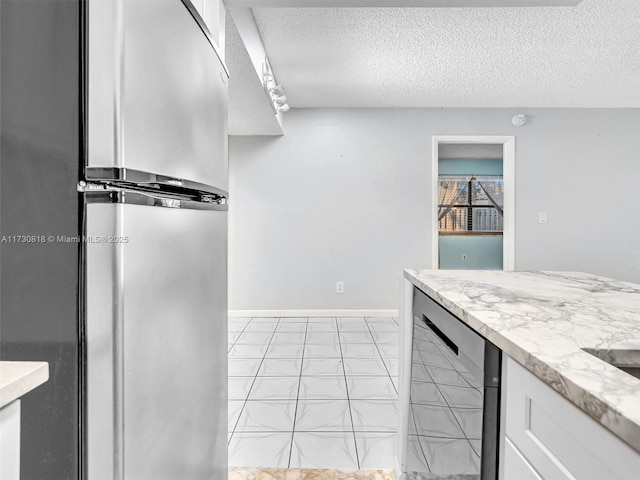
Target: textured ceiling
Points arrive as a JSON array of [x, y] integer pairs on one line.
[[583, 56]]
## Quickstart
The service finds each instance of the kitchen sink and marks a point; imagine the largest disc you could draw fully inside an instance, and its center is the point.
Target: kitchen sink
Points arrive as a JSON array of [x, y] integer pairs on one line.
[[635, 370], [627, 360]]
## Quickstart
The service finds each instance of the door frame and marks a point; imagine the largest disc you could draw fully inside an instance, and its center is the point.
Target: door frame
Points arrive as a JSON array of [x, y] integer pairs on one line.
[[509, 177]]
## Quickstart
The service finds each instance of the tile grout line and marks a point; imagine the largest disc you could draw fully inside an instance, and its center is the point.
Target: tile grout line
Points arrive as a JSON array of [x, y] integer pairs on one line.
[[381, 357], [346, 387], [295, 413], [245, 400], [254, 379], [236, 340], [415, 424]]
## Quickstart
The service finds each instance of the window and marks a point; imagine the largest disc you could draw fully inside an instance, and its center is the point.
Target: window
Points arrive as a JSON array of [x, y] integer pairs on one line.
[[470, 204]]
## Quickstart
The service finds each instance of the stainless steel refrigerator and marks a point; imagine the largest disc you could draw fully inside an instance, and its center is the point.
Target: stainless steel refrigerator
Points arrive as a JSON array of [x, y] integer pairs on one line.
[[143, 393]]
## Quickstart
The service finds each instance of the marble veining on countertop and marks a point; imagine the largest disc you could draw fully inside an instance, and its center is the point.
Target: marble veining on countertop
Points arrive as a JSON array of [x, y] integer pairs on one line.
[[561, 326], [19, 378]]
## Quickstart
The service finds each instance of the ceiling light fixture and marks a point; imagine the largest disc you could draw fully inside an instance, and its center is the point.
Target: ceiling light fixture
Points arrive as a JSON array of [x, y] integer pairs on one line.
[[274, 91], [280, 101], [277, 90]]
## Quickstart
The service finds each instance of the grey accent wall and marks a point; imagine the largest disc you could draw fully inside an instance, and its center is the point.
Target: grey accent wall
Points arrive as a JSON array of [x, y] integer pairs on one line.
[[345, 195], [41, 157]]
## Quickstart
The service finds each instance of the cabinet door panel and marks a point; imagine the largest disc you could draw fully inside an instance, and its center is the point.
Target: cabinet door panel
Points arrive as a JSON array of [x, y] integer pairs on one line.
[[515, 465], [558, 439]]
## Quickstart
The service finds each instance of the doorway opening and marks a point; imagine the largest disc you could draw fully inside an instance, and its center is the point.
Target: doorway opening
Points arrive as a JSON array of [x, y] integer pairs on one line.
[[473, 202]]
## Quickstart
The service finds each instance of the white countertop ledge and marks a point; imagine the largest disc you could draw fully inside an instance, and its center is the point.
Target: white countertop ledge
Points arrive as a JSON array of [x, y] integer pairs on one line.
[[548, 322], [19, 378]]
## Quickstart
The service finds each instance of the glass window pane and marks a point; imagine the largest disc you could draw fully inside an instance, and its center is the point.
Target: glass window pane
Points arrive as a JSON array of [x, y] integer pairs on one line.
[[470, 203]]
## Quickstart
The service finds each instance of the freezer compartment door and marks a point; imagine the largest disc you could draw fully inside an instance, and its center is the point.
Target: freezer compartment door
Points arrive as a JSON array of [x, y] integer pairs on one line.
[[157, 92], [156, 342]]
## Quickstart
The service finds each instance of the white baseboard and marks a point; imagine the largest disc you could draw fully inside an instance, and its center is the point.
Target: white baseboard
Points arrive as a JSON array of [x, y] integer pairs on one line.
[[313, 313]]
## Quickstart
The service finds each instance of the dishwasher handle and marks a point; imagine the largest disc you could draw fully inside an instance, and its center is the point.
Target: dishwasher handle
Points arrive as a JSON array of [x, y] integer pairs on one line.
[[467, 345], [441, 335]]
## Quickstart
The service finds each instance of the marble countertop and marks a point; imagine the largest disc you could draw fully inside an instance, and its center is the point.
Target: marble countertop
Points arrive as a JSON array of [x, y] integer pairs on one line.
[[561, 326], [18, 378]]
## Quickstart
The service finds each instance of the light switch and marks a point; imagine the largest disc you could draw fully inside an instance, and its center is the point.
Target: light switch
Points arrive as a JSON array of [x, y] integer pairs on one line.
[[542, 217]]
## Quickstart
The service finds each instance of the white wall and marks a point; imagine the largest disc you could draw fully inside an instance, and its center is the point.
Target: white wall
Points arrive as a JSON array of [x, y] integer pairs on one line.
[[344, 196]]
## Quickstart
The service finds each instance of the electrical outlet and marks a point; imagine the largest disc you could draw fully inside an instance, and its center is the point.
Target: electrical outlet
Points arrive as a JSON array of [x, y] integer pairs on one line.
[[339, 287], [542, 217], [464, 257]]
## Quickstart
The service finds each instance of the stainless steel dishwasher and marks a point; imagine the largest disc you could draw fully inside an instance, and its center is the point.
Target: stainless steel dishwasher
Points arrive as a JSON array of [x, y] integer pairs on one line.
[[454, 397]]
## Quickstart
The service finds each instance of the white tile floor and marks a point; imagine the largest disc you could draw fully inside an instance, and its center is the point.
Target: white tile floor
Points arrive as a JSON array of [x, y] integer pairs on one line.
[[313, 393]]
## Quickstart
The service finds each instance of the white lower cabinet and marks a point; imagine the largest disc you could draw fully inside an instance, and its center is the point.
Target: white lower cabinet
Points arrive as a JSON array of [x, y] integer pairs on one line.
[[10, 441], [515, 465], [547, 437]]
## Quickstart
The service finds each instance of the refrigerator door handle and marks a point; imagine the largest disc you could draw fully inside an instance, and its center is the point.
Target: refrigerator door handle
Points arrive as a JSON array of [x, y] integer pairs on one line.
[[130, 178], [109, 193]]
